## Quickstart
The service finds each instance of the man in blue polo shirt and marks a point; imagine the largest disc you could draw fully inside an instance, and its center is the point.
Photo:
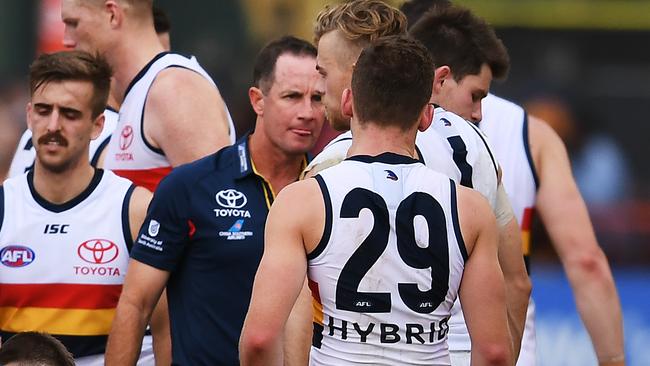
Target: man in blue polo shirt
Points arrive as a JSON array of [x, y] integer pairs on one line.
[[204, 231]]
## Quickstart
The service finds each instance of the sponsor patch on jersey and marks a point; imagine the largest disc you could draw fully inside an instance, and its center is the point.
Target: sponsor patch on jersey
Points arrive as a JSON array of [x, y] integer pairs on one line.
[[154, 228], [98, 251], [231, 201], [235, 232], [17, 256], [391, 175], [231, 198], [126, 137]]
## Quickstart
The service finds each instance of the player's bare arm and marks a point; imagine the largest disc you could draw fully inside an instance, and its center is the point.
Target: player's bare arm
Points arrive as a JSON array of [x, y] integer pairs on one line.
[[511, 260], [160, 319], [142, 288], [298, 330], [517, 282], [289, 235], [185, 116], [482, 291], [566, 219]]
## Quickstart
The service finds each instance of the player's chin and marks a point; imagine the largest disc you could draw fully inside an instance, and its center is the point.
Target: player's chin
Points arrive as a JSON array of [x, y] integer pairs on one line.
[[299, 145], [55, 165]]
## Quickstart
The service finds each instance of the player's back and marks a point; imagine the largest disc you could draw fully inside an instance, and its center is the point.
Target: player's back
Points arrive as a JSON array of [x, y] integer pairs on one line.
[[386, 273], [457, 149]]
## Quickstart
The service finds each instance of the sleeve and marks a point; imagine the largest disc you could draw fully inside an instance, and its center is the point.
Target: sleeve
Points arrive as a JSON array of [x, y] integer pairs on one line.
[[165, 231]]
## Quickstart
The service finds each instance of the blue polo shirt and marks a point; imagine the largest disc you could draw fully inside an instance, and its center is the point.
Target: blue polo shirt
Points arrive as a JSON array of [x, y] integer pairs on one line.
[[205, 226]]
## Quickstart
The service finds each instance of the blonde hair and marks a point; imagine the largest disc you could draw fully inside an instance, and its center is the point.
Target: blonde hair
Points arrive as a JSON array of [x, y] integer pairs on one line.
[[360, 21]]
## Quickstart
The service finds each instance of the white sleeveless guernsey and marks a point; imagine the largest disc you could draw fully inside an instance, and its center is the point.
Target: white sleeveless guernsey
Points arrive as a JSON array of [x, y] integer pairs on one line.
[[62, 266], [451, 146], [389, 265], [506, 125], [130, 155], [455, 148], [23, 159]]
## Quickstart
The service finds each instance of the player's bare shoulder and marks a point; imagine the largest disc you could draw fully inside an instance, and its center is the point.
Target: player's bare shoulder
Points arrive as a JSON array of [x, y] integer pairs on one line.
[[544, 141], [301, 206]]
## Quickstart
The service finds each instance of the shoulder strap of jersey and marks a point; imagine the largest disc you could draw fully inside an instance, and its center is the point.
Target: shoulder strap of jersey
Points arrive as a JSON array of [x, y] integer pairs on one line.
[[2, 206], [487, 147], [328, 219], [126, 225], [529, 154]]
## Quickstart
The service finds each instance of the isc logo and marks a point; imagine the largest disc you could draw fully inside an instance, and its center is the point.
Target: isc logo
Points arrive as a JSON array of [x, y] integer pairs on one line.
[[56, 229], [16, 256]]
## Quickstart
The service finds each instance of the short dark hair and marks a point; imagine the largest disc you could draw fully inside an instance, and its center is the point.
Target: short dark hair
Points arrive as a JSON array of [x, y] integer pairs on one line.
[[459, 39], [264, 69], [77, 66], [161, 21], [33, 348], [414, 9], [392, 82]]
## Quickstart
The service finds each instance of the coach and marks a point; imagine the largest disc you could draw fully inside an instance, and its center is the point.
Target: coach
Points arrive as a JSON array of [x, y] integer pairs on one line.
[[204, 231]]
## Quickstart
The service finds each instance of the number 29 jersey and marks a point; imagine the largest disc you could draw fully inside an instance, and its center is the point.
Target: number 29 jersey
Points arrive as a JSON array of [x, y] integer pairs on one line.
[[387, 270]]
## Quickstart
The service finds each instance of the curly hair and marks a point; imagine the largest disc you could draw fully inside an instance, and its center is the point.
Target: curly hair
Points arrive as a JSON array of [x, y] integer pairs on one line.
[[360, 21]]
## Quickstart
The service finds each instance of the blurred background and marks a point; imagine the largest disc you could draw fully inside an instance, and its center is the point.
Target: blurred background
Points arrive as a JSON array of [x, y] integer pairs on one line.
[[582, 65]]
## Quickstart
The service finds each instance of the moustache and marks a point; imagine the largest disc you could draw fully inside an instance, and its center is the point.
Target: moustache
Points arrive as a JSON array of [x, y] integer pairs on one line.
[[53, 137]]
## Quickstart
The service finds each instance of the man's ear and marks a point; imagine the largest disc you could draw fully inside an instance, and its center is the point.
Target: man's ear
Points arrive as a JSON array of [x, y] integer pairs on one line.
[[347, 101], [426, 117], [256, 98], [115, 13], [98, 126], [28, 112], [440, 75]]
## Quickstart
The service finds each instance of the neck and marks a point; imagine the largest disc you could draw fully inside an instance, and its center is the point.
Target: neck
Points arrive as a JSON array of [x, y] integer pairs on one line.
[[62, 187], [131, 55], [372, 139], [277, 167]]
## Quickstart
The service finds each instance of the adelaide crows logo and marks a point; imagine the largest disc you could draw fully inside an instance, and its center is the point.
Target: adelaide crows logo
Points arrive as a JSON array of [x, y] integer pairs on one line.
[[391, 175]]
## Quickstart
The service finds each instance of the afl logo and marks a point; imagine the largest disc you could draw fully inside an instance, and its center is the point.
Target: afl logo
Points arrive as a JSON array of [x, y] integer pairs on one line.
[[126, 137], [230, 198], [98, 251], [16, 256]]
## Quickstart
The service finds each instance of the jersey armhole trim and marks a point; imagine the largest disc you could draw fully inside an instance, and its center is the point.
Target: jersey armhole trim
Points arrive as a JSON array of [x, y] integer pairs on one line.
[[487, 147], [529, 154], [99, 151], [327, 230], [454, 216], [2, 206], [148, 144], [126, 225]]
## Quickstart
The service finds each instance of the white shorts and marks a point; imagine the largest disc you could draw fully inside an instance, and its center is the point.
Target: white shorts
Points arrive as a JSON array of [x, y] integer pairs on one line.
[[528, 353], [460, 358]]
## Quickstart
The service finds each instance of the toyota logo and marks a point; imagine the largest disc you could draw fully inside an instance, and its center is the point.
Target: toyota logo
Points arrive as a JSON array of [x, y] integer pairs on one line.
[[98, 251], [126, 137], [230, 198]]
